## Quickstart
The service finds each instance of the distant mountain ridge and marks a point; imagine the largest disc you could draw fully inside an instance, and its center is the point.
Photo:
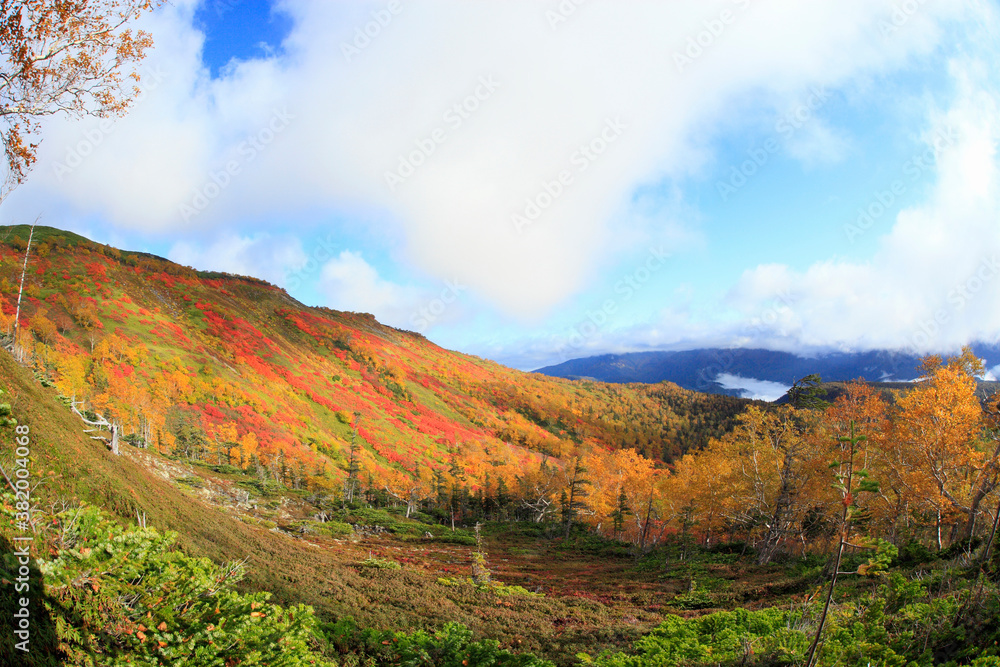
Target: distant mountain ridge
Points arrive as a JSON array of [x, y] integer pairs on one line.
[[702, 369]]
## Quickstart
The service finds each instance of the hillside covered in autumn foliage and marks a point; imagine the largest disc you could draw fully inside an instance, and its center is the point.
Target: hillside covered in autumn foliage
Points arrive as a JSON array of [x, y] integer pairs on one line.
[[433, 508], [232, 371]]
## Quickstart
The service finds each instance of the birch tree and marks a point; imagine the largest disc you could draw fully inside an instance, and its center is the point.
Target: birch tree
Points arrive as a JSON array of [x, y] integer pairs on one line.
[[73, 57]]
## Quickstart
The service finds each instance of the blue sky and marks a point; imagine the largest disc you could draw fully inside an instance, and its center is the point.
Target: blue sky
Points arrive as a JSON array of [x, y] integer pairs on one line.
[[241, 30], [528, 183]]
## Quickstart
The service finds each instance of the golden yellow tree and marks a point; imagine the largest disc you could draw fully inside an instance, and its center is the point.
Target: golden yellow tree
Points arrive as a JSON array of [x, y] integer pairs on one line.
[[700, 495], [72, 380], [776, 459], [246, 450], [226, 440], [941, 455]]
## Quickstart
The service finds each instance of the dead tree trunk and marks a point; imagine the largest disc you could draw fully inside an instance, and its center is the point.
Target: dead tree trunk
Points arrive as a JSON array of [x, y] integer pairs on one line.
[[114, 438], [16, 349], [101, 423]]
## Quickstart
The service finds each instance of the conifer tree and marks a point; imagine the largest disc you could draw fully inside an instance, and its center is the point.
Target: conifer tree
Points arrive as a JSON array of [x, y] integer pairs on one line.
[[503, 499], [621, 511], [575, 494], [353, 465], [808, 393]]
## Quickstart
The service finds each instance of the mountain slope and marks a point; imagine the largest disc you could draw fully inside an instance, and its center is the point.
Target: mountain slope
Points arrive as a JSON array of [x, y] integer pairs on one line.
[[230, 369], [238, 406], [75, 467], [306, 568]]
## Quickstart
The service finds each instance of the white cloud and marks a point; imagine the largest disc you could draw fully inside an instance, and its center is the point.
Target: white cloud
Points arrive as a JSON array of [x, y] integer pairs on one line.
[[351, 283], [763, 390], [934, 282], [932, 285], [263, 256], [556, 90]]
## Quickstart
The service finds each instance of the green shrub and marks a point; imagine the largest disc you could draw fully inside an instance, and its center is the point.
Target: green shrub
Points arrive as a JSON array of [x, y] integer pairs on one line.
[[456, 538], [914, 553], [267, 488], [124, 595], [518, 551], [369, 516], [987, 661], [452, 646], [254, 521], [722, 638], [336, 528], [737, 548], [192, 481], [699, 598], [423, 517], [226, 469], [959, 547], [591, 543], [498, 587], [380, 563], [505, 590], [329, 528]]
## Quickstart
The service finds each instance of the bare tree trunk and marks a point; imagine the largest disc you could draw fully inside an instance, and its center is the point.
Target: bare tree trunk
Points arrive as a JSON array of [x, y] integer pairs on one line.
[[645, 524], [18, 354], [411, 502], [993, 533], [101, 422], [782, 507], [986, 485], [939, 530]]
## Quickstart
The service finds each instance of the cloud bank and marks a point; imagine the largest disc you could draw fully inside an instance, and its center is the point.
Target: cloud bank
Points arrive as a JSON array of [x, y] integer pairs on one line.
[[502, 146]]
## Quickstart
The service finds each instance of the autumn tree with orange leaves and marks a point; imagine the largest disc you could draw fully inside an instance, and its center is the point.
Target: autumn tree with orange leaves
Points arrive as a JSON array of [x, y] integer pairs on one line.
[[63, 56], [946, 459]]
